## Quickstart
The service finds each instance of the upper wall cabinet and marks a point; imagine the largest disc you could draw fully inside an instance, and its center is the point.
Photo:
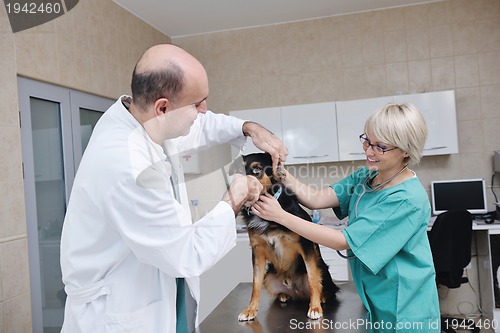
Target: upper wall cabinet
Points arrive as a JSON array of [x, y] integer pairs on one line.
[[351, 117], [438, 109], [329, 132], [270, 118], [310, 133]]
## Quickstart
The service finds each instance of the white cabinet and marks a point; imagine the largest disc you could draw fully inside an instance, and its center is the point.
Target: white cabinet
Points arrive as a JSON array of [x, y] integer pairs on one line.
[[438, 109], [270, 118], [191, 163], [351, 118], [329, 132], [310, 133], [225, 275]]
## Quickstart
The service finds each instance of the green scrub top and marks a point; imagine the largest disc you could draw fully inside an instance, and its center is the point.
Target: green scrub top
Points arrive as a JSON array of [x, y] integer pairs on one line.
[[391, 261]]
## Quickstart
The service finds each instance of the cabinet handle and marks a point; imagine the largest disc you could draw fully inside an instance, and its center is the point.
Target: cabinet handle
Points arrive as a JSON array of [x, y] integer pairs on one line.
[[434, 148], [356, 153], [311, 156]]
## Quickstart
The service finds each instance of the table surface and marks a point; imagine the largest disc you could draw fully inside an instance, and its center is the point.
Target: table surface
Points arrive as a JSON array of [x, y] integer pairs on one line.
[[346, 313]]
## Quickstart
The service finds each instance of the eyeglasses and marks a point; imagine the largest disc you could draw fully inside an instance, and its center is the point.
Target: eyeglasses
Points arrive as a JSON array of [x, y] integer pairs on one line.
[[378, 149]]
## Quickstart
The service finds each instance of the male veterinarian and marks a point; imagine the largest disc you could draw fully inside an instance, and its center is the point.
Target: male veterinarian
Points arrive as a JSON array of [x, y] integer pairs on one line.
[[127, 242]]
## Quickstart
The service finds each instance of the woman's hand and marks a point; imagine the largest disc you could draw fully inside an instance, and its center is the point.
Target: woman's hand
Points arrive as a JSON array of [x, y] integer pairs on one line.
[[268, 208]]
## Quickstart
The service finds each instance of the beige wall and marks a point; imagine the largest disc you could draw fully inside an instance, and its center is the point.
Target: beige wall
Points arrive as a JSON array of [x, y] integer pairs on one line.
[[445, 45], [92, 48], [453, 44]]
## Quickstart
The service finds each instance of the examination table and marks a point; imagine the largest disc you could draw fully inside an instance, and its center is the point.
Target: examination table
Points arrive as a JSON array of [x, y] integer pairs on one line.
[[346, 313]]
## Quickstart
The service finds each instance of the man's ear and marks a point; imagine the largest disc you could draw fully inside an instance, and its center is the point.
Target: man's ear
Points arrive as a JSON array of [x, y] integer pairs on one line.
[[161, 106]]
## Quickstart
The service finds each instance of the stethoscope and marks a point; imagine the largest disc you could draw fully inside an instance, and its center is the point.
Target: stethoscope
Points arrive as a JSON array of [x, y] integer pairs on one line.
[[367, 188]]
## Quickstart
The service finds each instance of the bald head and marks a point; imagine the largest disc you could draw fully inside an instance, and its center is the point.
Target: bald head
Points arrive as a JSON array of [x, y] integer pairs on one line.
[[165, 71], [162, 56]]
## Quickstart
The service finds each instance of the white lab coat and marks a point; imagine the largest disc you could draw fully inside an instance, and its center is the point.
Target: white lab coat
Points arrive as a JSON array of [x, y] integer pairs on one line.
[[125, 238]]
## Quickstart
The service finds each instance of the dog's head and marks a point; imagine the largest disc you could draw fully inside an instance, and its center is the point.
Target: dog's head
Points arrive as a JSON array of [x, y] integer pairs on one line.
[[259, 165]]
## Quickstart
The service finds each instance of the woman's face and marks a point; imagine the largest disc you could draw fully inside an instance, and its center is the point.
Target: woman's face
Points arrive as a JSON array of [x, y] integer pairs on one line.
[[382, 156]]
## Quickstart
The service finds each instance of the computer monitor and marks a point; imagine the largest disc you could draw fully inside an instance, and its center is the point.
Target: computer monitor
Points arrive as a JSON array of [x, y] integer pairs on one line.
[[467, 194]]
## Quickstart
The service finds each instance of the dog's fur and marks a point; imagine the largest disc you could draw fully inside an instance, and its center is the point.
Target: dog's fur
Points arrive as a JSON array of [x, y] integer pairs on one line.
[[288, 265]]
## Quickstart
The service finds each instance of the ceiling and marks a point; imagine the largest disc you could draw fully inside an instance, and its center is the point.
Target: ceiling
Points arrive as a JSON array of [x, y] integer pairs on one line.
[[178, 18]]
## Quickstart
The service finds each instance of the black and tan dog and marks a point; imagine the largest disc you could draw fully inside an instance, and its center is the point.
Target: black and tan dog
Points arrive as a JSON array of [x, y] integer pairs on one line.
[[288, 265]]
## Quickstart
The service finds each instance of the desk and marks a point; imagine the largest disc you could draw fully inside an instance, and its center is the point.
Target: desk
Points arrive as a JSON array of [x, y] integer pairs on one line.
[[275, 317], [476, 224], [482, 251], [482, 233]]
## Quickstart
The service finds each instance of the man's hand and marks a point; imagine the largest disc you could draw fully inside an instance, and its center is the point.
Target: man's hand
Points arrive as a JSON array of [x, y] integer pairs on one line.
[[244, 190], [268, 142]]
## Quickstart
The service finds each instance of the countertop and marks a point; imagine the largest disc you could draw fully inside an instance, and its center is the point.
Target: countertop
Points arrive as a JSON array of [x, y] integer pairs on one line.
[[346, 313]]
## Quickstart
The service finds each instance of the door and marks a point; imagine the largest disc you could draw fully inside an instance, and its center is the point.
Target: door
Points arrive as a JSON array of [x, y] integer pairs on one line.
[[56, 124]]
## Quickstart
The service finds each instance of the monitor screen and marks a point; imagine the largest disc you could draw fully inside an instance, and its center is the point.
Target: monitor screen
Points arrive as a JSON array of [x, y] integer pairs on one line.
[[467, 194]]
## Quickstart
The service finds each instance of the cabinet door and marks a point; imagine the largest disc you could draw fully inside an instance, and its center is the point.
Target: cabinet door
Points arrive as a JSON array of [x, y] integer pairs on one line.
[[438, 109], [351, 118], [270, 118], [310, 133], [225, 275]]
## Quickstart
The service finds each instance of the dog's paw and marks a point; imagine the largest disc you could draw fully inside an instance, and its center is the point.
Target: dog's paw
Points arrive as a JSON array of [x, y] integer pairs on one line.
[[247, 315], [315, 313]]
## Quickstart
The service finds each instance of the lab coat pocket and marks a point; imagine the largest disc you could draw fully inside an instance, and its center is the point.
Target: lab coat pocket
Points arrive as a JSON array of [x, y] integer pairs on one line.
[[144, 320]]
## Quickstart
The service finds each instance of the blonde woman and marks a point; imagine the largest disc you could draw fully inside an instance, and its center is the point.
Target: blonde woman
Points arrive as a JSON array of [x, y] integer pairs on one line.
[[388, 210]]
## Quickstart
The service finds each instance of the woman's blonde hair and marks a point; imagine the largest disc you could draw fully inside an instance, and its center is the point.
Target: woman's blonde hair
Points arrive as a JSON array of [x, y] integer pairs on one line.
[[402, 126]]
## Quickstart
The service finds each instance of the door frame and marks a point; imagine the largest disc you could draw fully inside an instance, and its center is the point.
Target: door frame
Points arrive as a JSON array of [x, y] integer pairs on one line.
[[70, 101]]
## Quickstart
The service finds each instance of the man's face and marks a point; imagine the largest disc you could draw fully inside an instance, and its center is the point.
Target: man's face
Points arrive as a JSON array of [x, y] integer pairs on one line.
[[178, 121], [175, 119], [192, 101]]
